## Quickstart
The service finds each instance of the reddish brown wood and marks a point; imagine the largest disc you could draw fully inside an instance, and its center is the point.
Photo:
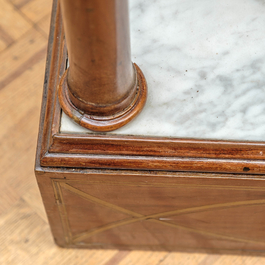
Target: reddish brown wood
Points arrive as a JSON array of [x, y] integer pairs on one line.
[[104, 123], [154, 163], [54, 69], [154, 210], [102, 90], [89, 206], [101, 74], [159, 153], [151, 146]]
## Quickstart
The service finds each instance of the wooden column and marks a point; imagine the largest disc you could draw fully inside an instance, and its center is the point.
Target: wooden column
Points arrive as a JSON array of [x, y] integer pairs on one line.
[[101, 90]]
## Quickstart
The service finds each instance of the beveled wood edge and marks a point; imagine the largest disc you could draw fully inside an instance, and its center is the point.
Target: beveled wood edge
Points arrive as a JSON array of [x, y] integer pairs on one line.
[[43, 143], [151, 146], [55, 66], [154, 163], [146, 153], [61, 68], [185, 176]]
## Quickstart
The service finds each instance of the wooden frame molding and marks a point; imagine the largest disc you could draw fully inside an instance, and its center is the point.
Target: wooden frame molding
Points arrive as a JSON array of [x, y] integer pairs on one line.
[[131, 152]]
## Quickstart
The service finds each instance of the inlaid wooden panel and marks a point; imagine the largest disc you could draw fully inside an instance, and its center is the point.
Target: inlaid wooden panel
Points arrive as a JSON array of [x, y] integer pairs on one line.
[[161, 211]]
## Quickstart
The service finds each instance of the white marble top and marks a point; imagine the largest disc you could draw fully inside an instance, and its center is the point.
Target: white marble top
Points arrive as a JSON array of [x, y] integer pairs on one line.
[[204, 62]]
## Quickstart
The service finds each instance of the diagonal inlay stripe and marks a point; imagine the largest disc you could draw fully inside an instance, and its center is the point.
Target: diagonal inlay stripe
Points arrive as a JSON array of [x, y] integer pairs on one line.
[[103, 228], [141, 217], [63, 214], [205, 233], [94, 199]]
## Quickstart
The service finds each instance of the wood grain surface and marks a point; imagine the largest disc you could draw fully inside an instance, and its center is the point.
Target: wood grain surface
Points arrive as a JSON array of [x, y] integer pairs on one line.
[[25, 237], [109, 86], [130, 152], [101, 90]]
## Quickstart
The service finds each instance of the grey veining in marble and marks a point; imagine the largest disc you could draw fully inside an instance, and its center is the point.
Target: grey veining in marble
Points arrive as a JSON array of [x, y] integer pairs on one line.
[[204, 62]]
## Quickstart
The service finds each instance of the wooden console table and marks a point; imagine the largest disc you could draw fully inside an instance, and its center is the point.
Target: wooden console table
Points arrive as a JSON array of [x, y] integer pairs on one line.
[[134, 190]]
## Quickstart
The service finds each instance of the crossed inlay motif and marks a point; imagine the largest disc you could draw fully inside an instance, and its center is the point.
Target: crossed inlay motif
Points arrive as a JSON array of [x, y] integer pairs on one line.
[[160, 218]]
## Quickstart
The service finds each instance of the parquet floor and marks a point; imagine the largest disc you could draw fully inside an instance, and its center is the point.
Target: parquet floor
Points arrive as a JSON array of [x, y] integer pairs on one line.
[[25, 237]]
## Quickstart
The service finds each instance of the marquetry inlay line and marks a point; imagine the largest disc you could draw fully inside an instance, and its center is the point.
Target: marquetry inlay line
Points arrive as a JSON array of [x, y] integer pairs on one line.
[[94, 231], [163, 185], [139, 217], [62, 212], [96, 200]]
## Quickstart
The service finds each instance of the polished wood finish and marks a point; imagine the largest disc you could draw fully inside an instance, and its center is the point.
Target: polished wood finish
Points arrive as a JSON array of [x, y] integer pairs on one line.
[[102, 90], [25, 233], [134, 152], [130, 192], [106, 123], [160, 146], [162, 211], [154, 163], [101, 77]]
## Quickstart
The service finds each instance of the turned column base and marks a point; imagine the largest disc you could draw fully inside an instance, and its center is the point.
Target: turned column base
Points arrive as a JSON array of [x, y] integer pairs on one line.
[[104, 123]]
